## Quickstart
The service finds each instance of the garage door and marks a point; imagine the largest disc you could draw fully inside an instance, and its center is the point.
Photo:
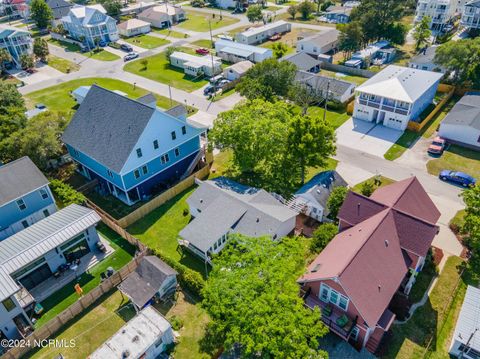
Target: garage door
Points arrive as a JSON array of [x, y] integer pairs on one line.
[[36, 277]]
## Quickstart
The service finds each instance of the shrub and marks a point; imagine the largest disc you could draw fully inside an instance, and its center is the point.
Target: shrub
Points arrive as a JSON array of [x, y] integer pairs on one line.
[[335, 201], [176, 322], [144, 63], [335, 105], [322, 236], [188, 278], [65, 193], [367, 188]]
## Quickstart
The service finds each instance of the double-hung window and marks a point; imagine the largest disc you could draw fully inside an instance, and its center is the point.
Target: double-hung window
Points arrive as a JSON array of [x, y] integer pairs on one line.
[[136, 174], [21, 204], [174, 135], [155, 144], [43, 193], [164, 158], [329, 295], [139, 152]]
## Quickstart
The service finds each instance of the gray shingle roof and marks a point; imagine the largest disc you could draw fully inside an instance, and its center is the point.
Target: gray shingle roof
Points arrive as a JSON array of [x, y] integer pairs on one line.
[[107, 126], [466, 112], [319, 83], [425, 56], [225, 204], [302, 60], [323, 38], [60, 8], [142, 284], [147, 99], [468, 321], [33, 242], [18, 178], [178, 111]]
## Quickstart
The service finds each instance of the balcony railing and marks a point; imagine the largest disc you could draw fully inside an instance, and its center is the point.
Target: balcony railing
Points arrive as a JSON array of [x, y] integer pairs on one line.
[[401, 111]]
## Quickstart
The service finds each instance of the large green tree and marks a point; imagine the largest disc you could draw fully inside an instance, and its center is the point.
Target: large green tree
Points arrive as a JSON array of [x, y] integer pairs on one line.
[[462, 60], [306, 8], [272, 144], [422, 33], [254, 13], [335, 201], [39, 139], [41, 13], [12, 112], [322, 236], [40, 49], [252, 298], [267, 80], [351, 37], [471, 197], [5, 57]]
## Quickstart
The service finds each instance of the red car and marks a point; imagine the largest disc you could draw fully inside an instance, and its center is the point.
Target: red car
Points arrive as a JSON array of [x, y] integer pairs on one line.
[[202, 51], [437, 147]]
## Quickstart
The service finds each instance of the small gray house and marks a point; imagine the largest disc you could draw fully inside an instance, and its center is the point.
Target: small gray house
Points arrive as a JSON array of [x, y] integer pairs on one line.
[[338, 90], [303, 62]]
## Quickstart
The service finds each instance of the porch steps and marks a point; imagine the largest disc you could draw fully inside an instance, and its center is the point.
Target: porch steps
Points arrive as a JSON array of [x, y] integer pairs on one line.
[[192, 165]]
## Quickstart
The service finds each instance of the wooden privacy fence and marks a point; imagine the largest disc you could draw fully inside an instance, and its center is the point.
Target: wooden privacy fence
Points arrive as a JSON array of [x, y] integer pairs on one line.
[[347, 70], [54, 325], [418, 126], [162, 198]]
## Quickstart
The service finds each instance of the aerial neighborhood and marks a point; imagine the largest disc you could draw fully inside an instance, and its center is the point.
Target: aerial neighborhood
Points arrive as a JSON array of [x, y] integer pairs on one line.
[[239, 179]]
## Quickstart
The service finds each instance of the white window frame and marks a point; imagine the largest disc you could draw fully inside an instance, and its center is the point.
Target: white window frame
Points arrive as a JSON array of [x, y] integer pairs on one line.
[[20, 202], [43, 193], [165, 158], [355, 332], [329, 298]]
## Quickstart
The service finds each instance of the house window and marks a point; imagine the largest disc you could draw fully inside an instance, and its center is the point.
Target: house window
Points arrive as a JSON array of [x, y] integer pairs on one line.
[[136, 174], [328, 294], [177, 152], [184, 130], [9, 304], [158, 343], [139, 152], [354, 334], [164, 158], [155, 144], [174, 135], [21, 204], [25, 224], [215, 246], [144, 170], [44, 193], [46, 213], [478, 140]]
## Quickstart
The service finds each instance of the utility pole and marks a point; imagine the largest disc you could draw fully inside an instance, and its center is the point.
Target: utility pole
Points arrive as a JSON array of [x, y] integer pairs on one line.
[[326, 100], [170, 93], [211, 53]]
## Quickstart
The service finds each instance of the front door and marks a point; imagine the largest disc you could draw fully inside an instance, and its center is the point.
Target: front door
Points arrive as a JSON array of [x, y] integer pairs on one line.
[[375, 116], [381, 117]]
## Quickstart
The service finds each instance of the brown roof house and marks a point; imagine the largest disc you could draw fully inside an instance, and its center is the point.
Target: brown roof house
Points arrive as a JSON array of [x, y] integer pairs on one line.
[[381, 247]]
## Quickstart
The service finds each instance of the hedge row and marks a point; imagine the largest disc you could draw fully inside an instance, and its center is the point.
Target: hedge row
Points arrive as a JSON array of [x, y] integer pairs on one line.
[[65, 193], [188, 278]]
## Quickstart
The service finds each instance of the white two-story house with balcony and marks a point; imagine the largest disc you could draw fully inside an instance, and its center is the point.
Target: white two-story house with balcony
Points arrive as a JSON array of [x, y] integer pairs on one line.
[[395, 96], [471, 15], [90, 25], [441, 12]]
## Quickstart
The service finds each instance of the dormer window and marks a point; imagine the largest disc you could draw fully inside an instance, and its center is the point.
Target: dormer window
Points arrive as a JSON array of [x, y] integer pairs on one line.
[[43, 193], [184, 130], [139, 152], [21, 204], [155, 144], [174, 135]]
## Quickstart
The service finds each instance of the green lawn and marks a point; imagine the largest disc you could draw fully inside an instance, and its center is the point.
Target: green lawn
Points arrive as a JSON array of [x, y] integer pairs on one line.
[[406, 140], [224, 94], [458, 159], [62, 65], [159, 69], [92, 328], [335, 118], [66, 296], [159, 230], [146, 41], [434, 319], [269, 45], [384, 181], [57, 98], [170, 33], [273, 8], [203, 43], [199, 22], [422, 282], [437, 119], [66, 45], [102, 55], [355, 79]]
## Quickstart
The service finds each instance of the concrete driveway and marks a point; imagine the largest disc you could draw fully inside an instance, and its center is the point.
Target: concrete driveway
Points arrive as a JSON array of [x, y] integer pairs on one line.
[[42, 72], [367, 137]]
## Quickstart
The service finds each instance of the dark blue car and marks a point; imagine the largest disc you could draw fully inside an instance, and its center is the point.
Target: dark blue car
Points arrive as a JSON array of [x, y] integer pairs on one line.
[[457, 177]]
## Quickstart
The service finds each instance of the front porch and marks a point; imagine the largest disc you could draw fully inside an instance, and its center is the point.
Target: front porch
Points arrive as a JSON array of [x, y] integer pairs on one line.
[[53, 284], [332, 316]]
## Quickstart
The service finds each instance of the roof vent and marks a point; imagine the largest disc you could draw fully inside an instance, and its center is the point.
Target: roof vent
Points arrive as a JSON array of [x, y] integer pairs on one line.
[[201, 200], [135, 339], [126, 354], [358, 208], [386, 242], [379, 287], [316, 268], [258, 219]]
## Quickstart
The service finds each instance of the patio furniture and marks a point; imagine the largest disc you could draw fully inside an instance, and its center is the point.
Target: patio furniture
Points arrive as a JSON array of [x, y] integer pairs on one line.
[[342, 320], [327, 310]]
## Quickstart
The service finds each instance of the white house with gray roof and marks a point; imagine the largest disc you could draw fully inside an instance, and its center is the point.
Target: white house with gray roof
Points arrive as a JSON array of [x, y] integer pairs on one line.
[[303, 62], [25, 197], [320, 43], [257, 35], [196, 65], [327, 87], [221, 207], [395, 96], [462, 123], [31, 257], [466, 338], [232, 51], [471, 15], [90, 25]]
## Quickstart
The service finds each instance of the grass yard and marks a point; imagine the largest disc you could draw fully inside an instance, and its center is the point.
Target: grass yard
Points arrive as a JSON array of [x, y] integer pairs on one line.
[[335, 118], [102, 55], [422, 282], [406, 140], [435, 319], [159, 230], [57, 98], [269, 45], [199, 22], [224, 94], [170, 33], [456, 158], [62, 65], [66, 45], [9, 79], [66, 296], [336, 75], [159, 69], [273, 8], [203, 43], [384, 181], [146, 41], [92, 328], [431, 128], [194, 319]]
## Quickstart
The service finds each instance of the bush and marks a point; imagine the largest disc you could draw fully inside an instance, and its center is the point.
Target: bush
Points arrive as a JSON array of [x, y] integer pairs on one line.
[[335, 201], [367, 188], [322, 236], [65, 193], [335, 105], [176, 322], [188, 278], [114, 45]]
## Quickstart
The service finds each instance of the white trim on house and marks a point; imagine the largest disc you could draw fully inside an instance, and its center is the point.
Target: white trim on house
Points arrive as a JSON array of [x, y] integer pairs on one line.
[[328, 298]]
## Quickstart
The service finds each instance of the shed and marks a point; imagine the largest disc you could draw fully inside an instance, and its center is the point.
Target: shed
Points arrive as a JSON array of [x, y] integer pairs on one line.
[[235, 71]]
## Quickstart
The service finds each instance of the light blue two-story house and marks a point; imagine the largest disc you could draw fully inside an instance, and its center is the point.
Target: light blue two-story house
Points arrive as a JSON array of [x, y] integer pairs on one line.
[[16, 41], [90, 25], [25, 197], [132, 148]]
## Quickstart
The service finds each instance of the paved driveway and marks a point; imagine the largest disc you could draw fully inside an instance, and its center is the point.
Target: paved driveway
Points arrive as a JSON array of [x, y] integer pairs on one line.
[[42, 72], [367, 137]]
